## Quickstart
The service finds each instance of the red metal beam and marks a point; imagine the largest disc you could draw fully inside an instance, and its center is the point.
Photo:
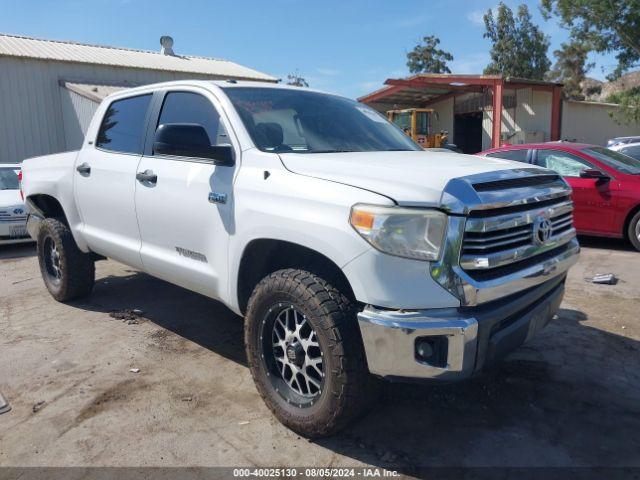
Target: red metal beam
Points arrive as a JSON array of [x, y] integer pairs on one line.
[[446, 80], [497, 114], [556, 112]]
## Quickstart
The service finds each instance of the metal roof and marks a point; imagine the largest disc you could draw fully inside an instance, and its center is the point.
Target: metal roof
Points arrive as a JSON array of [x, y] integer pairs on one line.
[[63, 51], [425, 88]]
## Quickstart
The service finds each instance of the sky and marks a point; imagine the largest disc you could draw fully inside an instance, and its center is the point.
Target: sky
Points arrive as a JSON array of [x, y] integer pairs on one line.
[[347, 47]]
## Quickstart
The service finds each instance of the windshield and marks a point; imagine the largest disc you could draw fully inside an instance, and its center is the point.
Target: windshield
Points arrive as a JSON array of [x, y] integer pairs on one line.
[[299, 121], [617, 160], [9, 179]]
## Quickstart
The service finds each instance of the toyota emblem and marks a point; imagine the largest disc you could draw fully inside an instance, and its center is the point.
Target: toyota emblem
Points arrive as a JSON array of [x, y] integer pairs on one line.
[[542, 230]]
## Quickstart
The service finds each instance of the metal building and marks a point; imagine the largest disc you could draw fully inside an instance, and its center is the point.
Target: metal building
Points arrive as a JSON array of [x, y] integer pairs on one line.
[[527, 111], [49, 89]]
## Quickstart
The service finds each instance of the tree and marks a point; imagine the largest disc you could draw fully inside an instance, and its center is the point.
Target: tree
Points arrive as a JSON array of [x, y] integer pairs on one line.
[[296, 80], [426, 57], [607, 25], [571, 68], [629, 111], [519, 46]]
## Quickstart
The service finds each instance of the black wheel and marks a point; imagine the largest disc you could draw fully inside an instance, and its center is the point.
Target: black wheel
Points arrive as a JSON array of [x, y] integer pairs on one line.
[[633, 232], [305, 353], [67, 272]]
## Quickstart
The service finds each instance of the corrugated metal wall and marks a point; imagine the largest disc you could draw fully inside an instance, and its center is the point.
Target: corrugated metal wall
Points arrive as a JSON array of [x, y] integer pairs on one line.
[[31, 101], [444, 109], [77, 112], [532, 113]]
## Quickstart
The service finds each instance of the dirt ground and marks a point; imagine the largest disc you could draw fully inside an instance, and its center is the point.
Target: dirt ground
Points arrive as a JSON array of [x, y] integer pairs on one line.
[[570, 397]]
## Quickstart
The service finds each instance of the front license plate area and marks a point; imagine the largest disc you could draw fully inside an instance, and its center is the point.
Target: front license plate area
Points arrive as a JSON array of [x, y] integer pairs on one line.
[[18, 231]]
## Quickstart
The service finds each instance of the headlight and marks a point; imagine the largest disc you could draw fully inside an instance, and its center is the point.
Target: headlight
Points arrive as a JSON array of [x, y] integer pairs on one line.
[[404, 232]]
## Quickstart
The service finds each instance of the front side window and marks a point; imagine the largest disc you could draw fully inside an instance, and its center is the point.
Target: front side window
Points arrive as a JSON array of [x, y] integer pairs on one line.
[[517, 155], [300, 121], [619, 161], [193, 108], [9, 179], [561, 162], [123, 127]]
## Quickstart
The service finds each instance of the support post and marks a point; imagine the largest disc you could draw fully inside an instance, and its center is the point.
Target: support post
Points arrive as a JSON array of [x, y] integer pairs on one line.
[[497, 114], [556, 112]]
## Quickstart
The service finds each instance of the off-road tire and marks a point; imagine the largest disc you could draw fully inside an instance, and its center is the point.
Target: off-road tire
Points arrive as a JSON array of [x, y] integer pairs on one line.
[[633, 231], [76, 269], [348, 388]]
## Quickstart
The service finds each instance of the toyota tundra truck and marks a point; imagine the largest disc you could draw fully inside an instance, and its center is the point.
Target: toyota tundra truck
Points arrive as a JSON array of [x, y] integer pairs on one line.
[[352, 253]]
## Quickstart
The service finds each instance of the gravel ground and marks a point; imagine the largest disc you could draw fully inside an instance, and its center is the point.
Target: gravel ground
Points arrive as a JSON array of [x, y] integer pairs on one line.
[[570, 397]]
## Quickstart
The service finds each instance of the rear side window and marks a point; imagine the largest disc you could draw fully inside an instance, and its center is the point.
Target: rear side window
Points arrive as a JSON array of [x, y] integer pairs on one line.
[[123, 127], [187, 107], [517, 155]]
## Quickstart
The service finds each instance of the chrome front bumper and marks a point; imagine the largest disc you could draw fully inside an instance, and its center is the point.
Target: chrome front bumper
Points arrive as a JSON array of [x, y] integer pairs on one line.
[[475, 336]]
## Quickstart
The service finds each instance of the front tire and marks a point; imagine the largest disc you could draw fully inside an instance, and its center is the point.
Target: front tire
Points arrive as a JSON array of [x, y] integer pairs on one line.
[[305, 353], [633, 232], [67, 272]]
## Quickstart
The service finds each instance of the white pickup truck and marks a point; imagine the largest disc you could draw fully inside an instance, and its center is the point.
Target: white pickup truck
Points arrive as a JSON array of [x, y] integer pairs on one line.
[[350, 252]]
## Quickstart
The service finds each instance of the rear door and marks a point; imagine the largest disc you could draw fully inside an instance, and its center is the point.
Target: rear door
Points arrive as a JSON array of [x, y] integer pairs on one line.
[[592, 198], [185, 230], [105, 179]]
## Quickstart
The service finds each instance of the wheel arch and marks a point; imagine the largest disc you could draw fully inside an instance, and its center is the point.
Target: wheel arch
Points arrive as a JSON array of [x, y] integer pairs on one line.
[[627, 220], [263, 256], [46, 206]]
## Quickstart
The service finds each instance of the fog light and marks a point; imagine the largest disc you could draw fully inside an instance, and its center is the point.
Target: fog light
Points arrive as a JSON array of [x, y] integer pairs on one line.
[[432, 350]]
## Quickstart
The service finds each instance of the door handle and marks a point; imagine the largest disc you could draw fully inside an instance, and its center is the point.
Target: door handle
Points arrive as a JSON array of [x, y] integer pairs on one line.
[[147, 177], [84, 169]]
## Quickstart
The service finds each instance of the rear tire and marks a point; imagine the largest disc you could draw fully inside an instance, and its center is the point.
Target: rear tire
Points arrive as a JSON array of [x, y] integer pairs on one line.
[[305, 353], [633, 232], [67, 272]]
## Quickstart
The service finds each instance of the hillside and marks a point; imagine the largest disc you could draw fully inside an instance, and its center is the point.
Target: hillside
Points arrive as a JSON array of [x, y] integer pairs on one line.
[[597, 91]]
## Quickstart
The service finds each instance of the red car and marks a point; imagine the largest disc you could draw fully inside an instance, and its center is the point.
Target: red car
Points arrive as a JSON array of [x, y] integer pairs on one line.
[[606, 184]]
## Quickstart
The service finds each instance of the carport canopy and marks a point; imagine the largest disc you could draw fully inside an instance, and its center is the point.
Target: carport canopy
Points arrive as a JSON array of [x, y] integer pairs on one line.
[[424, 89]]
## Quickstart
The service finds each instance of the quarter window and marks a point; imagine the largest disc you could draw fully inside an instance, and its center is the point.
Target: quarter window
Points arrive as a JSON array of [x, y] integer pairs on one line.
[[561, 162], [123, 126], [187, 107], [517, 155]]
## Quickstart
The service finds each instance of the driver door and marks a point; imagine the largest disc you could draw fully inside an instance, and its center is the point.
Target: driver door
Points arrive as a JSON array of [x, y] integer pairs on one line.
[[183, 227]]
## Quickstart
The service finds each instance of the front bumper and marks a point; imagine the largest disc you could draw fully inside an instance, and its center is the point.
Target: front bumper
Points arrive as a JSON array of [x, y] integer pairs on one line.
[[475, 336]]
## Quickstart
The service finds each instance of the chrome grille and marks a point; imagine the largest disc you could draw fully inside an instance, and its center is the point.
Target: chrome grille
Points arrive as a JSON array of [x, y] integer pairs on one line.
[[503, 236]]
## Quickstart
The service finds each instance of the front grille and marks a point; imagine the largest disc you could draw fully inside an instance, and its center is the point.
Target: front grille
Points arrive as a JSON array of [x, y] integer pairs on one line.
[[507, 236]]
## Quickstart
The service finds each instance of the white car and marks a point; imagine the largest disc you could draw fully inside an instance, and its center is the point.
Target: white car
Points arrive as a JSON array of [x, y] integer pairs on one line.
[[13, 212], [349, 250], [630, 149], [622, 141]]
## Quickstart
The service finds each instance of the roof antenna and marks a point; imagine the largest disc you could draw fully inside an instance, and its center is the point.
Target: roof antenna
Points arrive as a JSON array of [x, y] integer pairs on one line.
[[167, 45]]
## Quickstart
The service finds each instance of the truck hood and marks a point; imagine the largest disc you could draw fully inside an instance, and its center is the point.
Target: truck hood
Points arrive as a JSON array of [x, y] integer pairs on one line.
[[10, 198], [409, 178]]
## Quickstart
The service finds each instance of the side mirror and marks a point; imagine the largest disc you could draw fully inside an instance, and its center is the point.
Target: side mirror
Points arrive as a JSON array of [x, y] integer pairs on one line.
[[594, 173], [191, 140]]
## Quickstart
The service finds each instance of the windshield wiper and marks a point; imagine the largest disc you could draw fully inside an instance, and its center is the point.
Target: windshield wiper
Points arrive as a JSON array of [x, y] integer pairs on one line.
[[330, 151]]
